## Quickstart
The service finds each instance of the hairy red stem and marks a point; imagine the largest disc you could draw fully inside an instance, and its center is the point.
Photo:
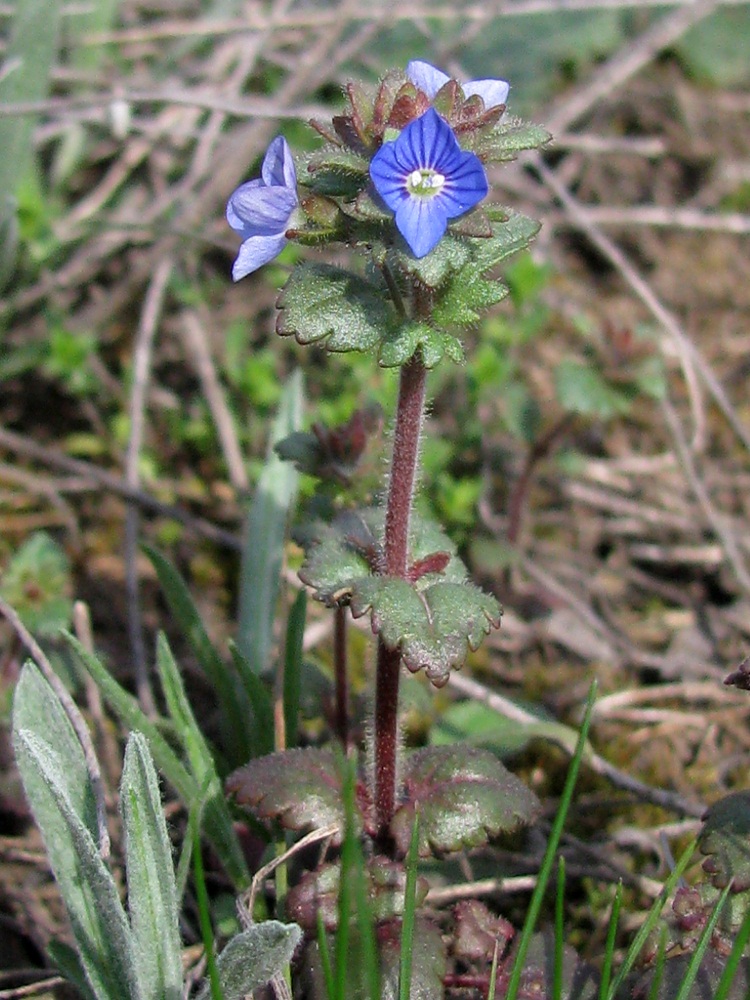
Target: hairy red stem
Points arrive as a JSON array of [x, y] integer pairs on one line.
[[341, 681], [409, 413]]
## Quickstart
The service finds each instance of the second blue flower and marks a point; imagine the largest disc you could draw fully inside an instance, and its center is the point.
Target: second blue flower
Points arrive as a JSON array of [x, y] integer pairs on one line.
[[425, 178]]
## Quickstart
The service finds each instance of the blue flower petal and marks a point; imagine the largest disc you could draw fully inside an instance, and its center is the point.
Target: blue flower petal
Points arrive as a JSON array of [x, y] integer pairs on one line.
[[256, 210], [426, 77], [255, 252], [278, 165], [492, 92], [430, 80], [422, 223], [261, 210], [427, 145]]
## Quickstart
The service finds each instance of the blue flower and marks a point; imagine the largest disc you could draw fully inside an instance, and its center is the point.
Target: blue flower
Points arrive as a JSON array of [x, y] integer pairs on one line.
[[426, 178], [430, 80], [261, 210]]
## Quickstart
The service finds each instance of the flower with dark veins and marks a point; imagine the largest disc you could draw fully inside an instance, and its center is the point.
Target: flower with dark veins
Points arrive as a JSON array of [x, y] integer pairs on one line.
[[261, 210], [430, 80], [425, 178]]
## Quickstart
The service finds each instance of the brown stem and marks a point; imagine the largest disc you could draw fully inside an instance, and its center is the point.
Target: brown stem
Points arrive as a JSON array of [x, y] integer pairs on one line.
[[341, 680], [401, 484], [519, 495]]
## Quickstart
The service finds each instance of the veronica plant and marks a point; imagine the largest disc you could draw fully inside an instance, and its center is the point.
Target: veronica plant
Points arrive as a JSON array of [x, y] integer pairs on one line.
[[400, 180]]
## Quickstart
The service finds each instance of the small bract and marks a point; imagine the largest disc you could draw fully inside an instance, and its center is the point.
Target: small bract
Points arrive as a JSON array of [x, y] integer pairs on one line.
[[430, 80], [261, 210], [425, 178]]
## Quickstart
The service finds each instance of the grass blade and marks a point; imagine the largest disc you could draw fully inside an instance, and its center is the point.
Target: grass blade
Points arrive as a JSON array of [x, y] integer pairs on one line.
[[696, 959], [295, 634], [235, 708], [609, 948], [265, 531], [650, 922], [550, 854]]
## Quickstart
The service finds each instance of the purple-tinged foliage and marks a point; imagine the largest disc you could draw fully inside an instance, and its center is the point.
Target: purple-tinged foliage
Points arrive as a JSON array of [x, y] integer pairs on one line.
[[261, 210], [430, 80], [425, 178]]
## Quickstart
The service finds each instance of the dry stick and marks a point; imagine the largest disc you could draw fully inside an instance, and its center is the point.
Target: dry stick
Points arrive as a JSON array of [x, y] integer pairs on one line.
[[245, 107], [661, 216], [146, 332], [627, 62], [20, 445], [325, 17], [658, 796], [74, 716], [687, 349], [717, 521], [196, 341]]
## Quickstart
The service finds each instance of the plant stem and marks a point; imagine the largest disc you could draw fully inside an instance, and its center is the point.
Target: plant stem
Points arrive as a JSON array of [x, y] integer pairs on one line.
[[409, 413], [341, 681]]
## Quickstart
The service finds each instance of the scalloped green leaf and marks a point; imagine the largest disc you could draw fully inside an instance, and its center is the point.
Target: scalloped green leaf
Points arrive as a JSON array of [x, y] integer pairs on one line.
[[325, 303], [337, 557], [433, 270], [465, 295], [725, 838], [348, 550], [301, 789], [463, 796], [336, 171], [403, 342], [317, 893], [511, 232], [434, 625], [434, 619], [428, 965], [509, 137]]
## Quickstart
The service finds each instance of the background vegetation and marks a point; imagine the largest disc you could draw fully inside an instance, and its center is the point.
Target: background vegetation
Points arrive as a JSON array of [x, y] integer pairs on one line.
[[591, 459]]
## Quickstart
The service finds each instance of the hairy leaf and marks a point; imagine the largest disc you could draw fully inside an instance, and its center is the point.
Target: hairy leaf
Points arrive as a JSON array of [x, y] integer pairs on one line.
[[324, 303], [478, 931], [404, 341], [253, 958], [217, 820], [463, 796], [336, 171], [464, 296], [509, 137], [317, 892], [51, 775], [299, 788], [152, 891], [436, 267], [434, 618], [433, 625], [511, 232], [428, 960]]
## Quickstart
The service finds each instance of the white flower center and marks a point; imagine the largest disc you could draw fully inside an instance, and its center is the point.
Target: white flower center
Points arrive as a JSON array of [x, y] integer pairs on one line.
[[425, 183]]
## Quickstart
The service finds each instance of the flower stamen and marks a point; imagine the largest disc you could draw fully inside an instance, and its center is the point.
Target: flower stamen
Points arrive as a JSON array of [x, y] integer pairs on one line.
[[426, 183]]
